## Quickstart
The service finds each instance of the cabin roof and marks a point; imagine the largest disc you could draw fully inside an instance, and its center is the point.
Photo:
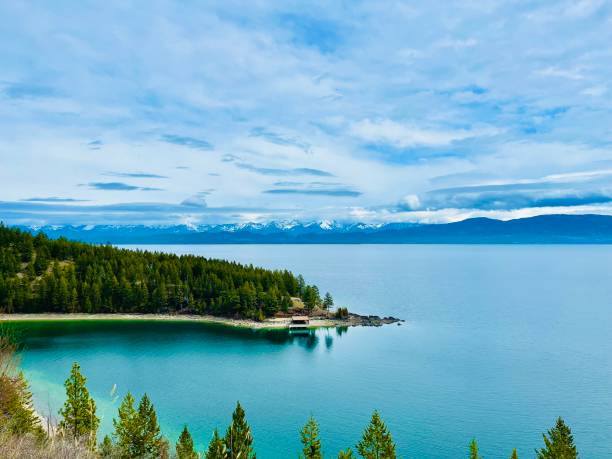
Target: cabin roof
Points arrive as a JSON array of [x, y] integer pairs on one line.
[[304, 318]]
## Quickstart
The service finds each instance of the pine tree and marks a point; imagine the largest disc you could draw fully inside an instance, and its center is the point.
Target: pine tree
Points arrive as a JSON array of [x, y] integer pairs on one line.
[[184, 446], [474, 450], [77, 277], [24, 418], [127, 429], [347, 454], [376, 442], [137, 430], [79, 418], [514, 454], [17, 413], [559, 444], [151, 439], [216, 447], [328, 301], [310, 439], [238, 438]]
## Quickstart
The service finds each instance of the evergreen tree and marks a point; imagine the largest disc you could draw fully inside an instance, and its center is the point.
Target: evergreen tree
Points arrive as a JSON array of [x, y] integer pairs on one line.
[[238, 438], [17, 413], [27, 250], [376, 442], [346, 454], [311, 297], [328, 301], [514, 454], [474, 450], [184, 446], [79, 418], [559, 444], [127, 429], [310, 440], [216, 447], [152, 443], [64, 276]]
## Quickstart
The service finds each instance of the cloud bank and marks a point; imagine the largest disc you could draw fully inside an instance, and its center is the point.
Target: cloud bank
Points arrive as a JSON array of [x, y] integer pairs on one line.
[[395, 112]]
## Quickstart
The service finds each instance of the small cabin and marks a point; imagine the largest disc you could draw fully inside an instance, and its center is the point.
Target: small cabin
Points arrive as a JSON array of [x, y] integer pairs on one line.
[[299, 323]]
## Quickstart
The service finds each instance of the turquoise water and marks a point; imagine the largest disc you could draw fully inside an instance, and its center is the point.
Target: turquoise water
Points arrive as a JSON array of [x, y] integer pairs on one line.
[[499, 340]]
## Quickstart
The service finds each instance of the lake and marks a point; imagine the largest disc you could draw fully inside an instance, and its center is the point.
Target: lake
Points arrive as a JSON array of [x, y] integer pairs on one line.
[[498, 342]]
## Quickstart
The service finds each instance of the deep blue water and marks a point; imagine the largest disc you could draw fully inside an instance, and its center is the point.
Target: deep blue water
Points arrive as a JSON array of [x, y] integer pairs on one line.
[[499, 341]]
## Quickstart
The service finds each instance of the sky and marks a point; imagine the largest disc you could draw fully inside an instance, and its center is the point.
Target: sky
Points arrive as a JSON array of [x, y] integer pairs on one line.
[[199, 112]]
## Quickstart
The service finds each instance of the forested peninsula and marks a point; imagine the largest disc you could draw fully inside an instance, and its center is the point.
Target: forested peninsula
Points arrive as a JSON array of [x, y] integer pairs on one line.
[[42, 275]]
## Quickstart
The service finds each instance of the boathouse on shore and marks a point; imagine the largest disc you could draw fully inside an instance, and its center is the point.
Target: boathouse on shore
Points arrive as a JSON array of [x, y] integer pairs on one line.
[[299, 323]]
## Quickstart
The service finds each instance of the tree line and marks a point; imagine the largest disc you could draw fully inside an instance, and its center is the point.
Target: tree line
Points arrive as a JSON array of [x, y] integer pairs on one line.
[[137, 433], [38, 274]]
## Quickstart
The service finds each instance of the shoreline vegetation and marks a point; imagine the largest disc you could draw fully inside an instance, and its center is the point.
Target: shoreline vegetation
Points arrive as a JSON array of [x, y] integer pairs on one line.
[[42, 278], [137, 433], [353, 320]]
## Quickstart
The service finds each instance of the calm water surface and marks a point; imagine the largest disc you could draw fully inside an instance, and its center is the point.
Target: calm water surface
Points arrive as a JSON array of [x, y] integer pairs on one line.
[[499, 340]]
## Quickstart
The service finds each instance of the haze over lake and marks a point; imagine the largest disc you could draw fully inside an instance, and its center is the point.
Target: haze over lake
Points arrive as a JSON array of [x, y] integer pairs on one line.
[[498, 342]]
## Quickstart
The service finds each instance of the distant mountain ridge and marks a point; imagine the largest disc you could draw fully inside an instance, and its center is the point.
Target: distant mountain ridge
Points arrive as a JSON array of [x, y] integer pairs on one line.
[[548, 229]]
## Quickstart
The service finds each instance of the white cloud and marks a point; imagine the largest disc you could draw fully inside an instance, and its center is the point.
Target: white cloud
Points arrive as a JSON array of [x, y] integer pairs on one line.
[[456, 43], [570, 74], [595, 91], [566, 10], [410, 202], [402, 135], [195, 201], [454, 215], [218, 72]]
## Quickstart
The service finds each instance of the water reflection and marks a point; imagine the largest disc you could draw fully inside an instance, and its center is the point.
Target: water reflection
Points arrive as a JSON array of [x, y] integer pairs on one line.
[[76, 334], [341, 330]]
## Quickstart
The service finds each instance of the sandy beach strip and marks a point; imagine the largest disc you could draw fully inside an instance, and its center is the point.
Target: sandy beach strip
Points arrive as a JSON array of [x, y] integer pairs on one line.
[[274, 323]]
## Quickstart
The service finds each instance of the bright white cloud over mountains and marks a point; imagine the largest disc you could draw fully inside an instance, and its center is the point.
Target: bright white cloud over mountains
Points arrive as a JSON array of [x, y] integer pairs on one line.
[[233, 111]]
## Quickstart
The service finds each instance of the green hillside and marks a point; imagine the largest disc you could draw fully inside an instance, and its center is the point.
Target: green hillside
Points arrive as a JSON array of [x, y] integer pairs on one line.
[[38, 274]]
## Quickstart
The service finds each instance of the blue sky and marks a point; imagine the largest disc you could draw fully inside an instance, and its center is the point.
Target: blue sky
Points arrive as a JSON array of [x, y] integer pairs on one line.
[[208, 112]]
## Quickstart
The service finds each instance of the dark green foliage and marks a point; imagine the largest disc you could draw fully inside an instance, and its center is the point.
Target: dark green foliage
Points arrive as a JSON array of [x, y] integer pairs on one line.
[[309, 437], [216, 447], [184, 446], [559, 444], [151, 439], [342, 313], [311, 297], [346, 454], [137, 430], [474, 450], [42, 275], [17, 414], [376, 442], [514, 454], [238, 438], [127, 428], [79, 418], [328, 301]]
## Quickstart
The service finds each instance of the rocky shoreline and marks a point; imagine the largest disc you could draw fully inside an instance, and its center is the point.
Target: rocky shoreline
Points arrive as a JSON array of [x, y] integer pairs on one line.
[[369, 321], [353, 320]]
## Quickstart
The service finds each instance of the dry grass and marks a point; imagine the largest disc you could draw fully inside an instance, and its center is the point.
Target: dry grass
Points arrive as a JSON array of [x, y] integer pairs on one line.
[[28, 447]]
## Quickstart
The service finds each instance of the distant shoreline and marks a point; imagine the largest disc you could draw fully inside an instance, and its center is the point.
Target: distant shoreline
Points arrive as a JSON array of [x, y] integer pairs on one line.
[[556, 229], [316, 322]]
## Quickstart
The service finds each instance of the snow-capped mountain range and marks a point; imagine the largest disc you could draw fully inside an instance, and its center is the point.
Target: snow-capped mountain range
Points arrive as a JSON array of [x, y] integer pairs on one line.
[[542, 229]]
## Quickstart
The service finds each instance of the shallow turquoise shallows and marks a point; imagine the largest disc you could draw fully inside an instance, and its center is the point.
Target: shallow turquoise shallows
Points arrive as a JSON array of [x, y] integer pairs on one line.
[[498, 342]]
